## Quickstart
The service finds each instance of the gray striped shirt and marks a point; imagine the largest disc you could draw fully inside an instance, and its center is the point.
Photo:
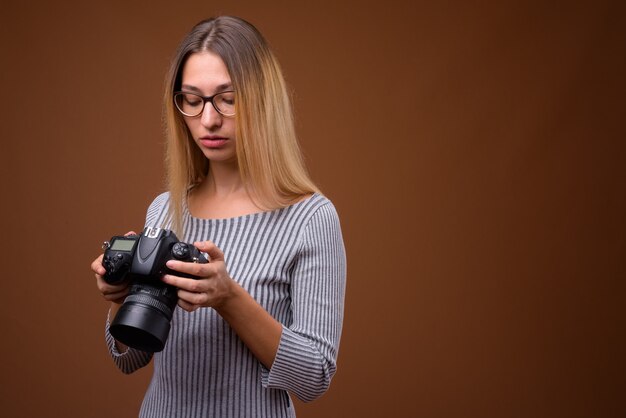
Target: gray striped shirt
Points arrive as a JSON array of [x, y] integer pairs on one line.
[[292, 261]]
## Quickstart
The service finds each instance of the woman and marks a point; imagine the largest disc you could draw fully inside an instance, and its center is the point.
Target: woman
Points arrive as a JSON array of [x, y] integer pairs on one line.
[[265, 317]]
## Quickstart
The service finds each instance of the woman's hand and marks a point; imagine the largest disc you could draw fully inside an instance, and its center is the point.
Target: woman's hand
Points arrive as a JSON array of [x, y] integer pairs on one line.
[[214, 286], [112, 292]]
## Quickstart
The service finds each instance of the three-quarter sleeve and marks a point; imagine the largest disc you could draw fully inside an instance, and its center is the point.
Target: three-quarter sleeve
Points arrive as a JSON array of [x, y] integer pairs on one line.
[[129, 361], [133, 359], [306, 359]]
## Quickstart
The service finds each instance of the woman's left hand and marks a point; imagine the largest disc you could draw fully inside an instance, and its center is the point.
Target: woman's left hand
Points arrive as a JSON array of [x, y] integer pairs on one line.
[[216, 289], [214, 286]]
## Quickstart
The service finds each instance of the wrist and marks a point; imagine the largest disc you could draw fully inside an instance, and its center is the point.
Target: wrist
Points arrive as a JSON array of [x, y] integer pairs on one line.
[[230, 300]]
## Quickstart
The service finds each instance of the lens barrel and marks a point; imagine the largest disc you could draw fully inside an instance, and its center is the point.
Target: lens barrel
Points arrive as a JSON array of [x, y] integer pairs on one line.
[[143, 320]]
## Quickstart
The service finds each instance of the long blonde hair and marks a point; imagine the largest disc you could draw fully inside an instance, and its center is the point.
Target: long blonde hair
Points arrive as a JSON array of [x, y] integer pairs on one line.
[[268, 154]]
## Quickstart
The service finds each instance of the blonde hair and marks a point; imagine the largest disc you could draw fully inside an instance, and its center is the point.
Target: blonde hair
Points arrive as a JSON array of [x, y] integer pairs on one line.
[[268, 154]]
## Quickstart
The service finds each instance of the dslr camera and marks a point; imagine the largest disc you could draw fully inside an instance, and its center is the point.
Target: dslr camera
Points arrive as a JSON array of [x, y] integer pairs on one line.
[[143, 320]]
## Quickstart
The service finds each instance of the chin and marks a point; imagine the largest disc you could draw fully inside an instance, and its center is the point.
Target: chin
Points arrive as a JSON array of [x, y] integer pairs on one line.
[[219, 156]]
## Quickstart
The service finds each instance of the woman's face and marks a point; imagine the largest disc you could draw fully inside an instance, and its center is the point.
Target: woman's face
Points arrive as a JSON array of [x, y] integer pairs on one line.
[[205, 74]]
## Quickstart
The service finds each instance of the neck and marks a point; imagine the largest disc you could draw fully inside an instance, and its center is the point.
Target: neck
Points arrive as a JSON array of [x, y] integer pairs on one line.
[[223, 180], [221, 195]]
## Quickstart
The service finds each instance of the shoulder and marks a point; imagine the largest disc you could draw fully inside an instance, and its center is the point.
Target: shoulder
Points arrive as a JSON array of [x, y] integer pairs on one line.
[[319, 234], [158, 208], [160, 201], [312, 206], [317, 212]]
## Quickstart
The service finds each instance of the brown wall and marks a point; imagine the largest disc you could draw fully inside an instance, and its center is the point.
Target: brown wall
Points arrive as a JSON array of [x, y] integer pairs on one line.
[[475, 155]]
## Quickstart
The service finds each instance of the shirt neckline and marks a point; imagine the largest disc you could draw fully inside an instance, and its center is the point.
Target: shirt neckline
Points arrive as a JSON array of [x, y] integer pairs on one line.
[[188, 214]]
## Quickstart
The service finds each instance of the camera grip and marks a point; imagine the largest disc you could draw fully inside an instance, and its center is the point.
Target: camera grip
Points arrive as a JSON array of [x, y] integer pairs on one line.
[[186, 252]]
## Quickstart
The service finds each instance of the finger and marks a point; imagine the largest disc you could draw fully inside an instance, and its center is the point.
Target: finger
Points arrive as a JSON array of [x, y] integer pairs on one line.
[[192, 298], [112, 289], [130, 233], [104, 286], [215, 254], [189, 307], [195, 269], [190, 285], [113, 297], [107, 289], [97, 267]]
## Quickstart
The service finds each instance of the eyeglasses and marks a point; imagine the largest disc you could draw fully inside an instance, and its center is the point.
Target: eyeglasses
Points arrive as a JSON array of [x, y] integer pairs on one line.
[[192, 104]]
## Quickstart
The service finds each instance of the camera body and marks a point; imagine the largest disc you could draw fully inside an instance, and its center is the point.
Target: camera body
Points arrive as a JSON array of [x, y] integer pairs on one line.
[[143, 320]]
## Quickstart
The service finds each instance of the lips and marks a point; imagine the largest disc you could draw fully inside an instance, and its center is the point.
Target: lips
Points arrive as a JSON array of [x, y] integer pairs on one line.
[[211, 141]]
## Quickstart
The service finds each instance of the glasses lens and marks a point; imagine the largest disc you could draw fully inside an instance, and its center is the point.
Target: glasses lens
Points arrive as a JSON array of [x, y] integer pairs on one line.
[[225, 103], [189, 104]]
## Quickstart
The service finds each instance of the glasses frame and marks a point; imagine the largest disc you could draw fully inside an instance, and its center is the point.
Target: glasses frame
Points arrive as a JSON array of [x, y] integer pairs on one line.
[[205, 99]]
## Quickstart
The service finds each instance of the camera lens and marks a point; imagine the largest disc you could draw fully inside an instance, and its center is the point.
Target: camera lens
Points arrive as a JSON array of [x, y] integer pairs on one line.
[[143, 321]]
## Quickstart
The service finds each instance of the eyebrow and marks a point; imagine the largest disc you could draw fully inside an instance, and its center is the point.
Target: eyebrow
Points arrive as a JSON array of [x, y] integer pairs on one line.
[[218, 89]]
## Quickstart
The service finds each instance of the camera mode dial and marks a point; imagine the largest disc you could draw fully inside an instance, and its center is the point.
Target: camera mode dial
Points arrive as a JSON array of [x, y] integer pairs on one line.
[[180, 251]]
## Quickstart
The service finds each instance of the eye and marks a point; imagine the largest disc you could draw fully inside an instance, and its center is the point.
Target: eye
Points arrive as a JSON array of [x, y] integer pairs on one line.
[[227, 98], [191, 99]]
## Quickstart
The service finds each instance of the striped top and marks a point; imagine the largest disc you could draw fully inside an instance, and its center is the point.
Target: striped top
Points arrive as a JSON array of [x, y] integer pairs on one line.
[[292, 261]]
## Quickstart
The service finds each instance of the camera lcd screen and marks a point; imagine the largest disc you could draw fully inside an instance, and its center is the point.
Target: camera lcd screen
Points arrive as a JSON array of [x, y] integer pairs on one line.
[[123, 244]]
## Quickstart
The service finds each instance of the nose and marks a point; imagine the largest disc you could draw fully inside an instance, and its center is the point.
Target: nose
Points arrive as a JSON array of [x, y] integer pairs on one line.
[[210, 117]]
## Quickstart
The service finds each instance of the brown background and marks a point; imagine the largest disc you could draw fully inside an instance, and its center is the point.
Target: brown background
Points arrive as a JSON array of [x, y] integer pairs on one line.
[[475, 153]]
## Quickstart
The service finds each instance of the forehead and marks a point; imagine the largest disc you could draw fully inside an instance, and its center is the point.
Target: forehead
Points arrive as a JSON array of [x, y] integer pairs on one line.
[[205, 71]]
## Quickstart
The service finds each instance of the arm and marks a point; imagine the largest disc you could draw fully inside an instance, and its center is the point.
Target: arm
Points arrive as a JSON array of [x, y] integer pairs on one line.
[[307, 355], [126, 359], [300, 357], [252, 323]]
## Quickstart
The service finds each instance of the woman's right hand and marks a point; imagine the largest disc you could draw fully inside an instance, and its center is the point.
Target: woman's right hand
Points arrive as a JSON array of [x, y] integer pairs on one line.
[[111, 292]]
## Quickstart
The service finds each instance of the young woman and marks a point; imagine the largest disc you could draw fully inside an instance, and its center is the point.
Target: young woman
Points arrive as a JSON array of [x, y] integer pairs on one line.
[[265, 317]]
